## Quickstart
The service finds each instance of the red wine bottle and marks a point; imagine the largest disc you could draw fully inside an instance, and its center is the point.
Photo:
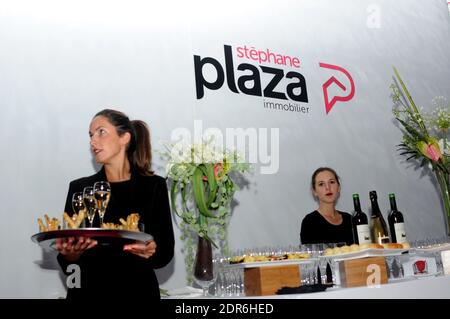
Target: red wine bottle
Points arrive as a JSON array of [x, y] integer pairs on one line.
[[361, 230], [396, 222], [377, 224]]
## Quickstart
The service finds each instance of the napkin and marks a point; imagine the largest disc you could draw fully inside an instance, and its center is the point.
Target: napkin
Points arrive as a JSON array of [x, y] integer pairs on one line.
[[302, 289], [185, 292]]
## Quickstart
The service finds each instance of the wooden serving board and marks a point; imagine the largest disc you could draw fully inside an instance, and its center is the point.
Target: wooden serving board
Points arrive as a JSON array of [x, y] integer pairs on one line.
[[263, 281], [363, 272]]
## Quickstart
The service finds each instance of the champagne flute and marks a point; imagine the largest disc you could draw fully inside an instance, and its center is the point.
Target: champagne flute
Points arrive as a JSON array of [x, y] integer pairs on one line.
[[102, 192], [78, 203], [89, 202]]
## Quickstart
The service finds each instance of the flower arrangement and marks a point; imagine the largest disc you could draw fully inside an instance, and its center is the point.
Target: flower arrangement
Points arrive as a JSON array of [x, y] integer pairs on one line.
[[429, 146], [201, 177]]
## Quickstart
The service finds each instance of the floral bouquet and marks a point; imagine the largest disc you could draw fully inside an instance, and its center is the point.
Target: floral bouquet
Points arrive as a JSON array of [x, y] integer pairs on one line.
[[201, 178], [429, 146]]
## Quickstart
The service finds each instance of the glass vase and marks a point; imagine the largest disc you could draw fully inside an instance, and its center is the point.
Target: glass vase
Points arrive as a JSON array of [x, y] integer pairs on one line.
[[443, 181], [204, 268]]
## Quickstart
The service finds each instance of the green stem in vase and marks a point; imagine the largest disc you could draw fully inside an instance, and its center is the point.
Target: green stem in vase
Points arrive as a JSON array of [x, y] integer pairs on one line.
[[413, 105], [443, 181]]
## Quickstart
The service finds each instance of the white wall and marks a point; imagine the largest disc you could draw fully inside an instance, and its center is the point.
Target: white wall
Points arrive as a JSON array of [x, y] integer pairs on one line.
[[61, 62]]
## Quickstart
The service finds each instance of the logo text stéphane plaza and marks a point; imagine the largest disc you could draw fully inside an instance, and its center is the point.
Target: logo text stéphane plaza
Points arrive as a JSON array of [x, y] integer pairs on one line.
[[246, 78]]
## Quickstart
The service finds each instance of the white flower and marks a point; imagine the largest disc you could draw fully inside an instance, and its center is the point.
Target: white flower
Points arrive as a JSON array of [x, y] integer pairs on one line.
[[180, 153], [168, 167], [444, 148]]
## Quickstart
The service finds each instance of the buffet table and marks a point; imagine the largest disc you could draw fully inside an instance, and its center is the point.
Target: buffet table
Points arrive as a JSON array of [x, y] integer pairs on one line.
[[432, 287]]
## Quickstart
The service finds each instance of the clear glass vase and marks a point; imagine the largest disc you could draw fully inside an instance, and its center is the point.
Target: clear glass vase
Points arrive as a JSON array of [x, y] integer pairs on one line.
[[443, 181], [204, 267]]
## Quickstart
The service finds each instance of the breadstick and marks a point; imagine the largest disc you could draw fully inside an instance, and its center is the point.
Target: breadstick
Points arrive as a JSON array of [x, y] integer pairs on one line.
[[69, 221]]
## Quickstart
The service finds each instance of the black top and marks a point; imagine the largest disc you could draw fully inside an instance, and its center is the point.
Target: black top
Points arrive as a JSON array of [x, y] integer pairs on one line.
[[316, 229], [106, 270]]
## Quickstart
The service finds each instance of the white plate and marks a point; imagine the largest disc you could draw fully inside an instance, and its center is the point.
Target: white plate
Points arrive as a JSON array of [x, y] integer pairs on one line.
[[421, 276], [369, 252], [391, 252], [284, 262], [433, 249]]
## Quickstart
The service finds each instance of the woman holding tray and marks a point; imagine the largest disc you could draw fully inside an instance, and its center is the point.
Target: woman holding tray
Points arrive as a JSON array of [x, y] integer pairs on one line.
[[113, 269]]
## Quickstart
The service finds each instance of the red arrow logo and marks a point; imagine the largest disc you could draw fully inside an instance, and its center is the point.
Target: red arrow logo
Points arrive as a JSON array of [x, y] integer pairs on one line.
[[329, 104]]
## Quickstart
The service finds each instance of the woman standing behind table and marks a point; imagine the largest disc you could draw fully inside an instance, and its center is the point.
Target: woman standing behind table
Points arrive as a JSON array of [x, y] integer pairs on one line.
[[118, 271], [326, 224]]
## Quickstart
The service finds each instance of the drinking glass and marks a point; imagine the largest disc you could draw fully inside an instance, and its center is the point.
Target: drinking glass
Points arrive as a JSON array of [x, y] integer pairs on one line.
[[332, 264], [205, 280], [89, 202], [205, 267], [78, 203], [102, 192], [320, 266]]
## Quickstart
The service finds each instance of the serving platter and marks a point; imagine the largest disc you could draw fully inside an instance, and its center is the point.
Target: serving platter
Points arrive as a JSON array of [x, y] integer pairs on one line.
[[433, 248], [369, 252], [47, 239], [256, 264]]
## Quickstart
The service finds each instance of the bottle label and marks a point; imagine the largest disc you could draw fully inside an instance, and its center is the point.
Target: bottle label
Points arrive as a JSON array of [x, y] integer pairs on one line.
[[363, 234], [383, 240], [400, 233]]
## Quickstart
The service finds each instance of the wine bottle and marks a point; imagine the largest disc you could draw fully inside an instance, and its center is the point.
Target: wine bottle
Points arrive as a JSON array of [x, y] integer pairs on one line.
[[361, 230], [377, 223], [396, 222]]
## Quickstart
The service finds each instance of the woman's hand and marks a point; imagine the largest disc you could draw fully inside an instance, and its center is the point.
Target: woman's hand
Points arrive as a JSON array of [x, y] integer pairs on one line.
[[73, 247], [141, 249]]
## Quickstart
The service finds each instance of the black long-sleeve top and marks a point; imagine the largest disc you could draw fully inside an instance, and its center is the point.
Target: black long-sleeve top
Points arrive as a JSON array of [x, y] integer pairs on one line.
[[106, 270], [316, 229]]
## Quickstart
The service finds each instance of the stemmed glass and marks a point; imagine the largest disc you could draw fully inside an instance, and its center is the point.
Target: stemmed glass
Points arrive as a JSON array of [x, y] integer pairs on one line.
[[205, 267], [333, 264], [205, 278], [78, 203], [89, 202], [102, 192], [319, 265]]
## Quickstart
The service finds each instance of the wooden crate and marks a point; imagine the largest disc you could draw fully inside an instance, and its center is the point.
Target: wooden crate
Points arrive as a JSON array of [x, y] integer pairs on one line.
[[363, 272], [263, 281]]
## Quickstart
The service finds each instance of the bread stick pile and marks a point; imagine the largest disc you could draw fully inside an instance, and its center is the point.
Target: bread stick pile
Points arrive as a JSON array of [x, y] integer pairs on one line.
[[132, 223], [75, 221], [50, 224]]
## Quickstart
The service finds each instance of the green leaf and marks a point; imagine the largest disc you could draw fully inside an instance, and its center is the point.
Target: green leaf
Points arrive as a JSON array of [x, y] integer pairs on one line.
[[208, 171], [214, 205], [222, 210], [199, 193], [408, 152], [184, 197], [173, 196], [411, 130], [424, 161], [411, 101], [210, 240]]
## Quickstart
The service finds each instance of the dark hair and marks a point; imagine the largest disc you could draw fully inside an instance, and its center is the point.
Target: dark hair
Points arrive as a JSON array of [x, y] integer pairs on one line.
[[323, 169], [139, 150]]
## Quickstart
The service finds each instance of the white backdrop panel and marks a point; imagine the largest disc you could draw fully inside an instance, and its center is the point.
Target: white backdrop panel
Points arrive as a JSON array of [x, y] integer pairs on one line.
[[61, 63]]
